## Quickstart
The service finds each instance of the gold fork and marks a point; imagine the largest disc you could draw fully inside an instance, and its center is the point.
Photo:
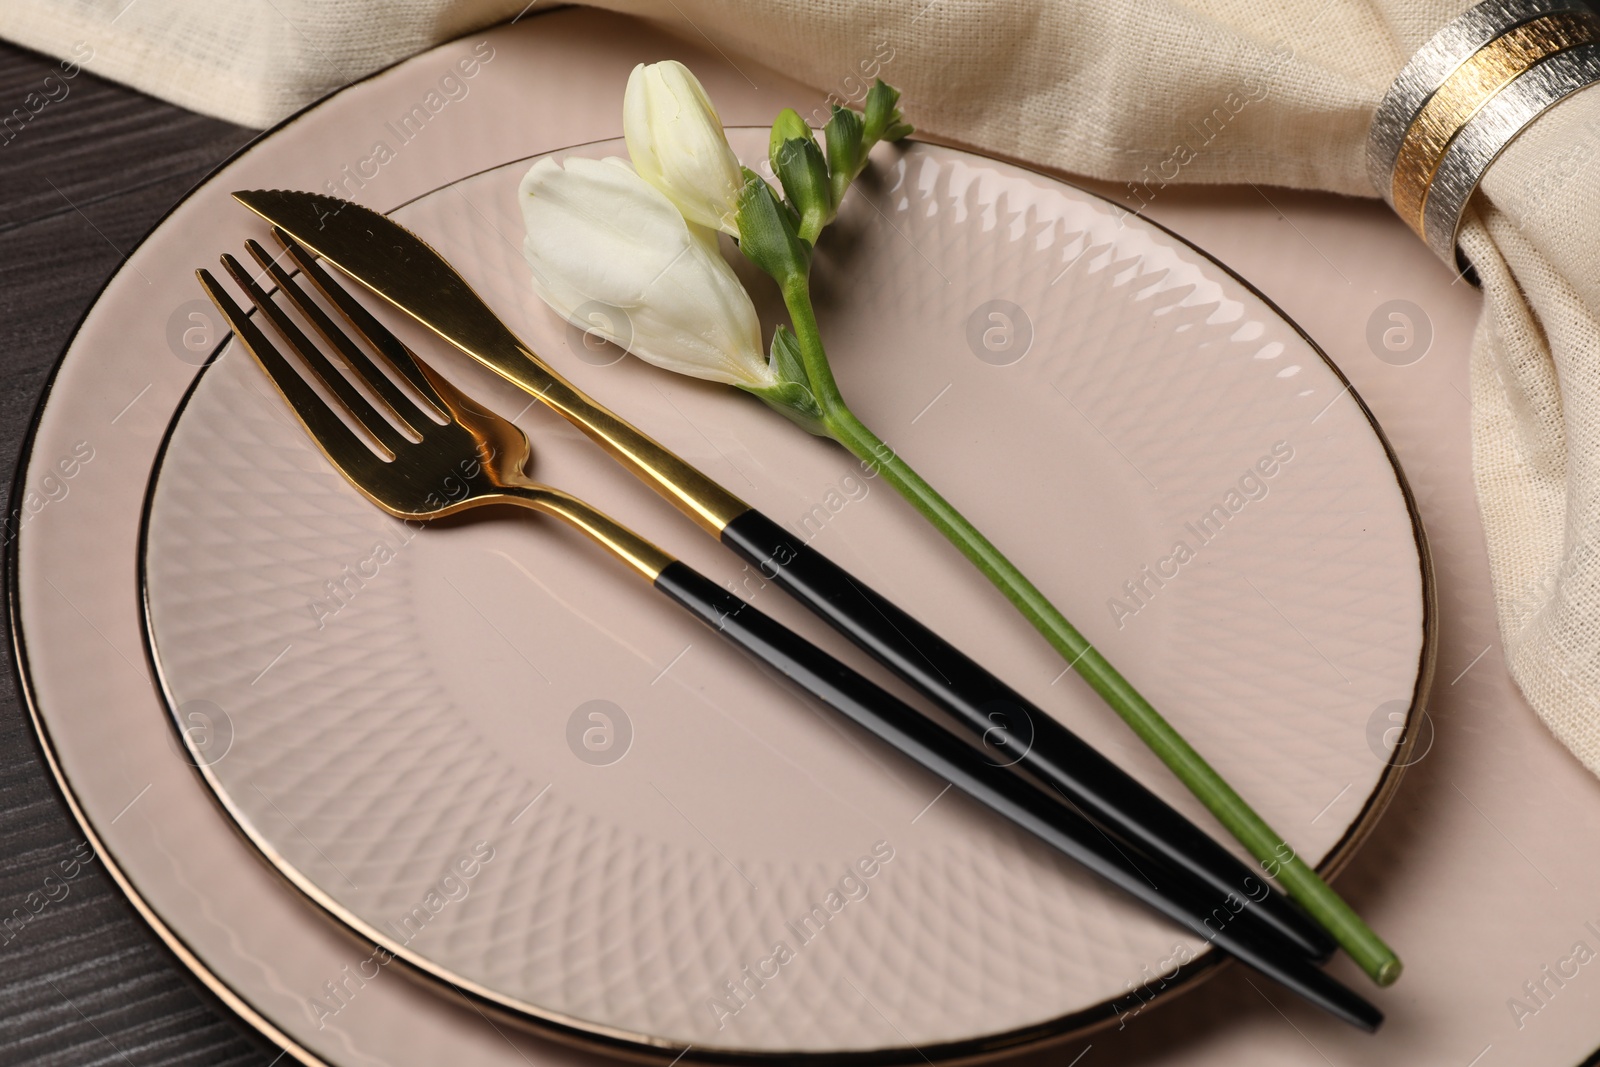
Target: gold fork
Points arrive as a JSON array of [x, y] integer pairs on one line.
[[461, 455], [470, 459]]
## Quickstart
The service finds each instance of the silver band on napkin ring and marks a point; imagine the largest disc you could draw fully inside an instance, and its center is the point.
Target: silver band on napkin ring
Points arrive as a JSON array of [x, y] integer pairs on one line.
[[1465, 95]]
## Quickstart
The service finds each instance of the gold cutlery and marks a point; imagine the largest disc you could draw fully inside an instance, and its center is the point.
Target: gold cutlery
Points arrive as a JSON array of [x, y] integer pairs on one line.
[[397, 265], [419, 462]]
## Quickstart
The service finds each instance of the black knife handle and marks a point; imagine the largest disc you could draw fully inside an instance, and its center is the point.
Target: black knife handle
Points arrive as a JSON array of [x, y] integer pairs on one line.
[[1027, 805], [1026, 735]]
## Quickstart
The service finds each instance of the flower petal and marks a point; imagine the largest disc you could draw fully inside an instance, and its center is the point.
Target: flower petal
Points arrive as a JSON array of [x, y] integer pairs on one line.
[[597, 232]]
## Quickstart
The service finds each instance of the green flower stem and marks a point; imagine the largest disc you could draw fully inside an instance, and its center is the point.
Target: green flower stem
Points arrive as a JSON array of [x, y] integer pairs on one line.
[[1276, 858]]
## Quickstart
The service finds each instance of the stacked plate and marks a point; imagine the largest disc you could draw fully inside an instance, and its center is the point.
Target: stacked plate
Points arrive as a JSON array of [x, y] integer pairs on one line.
[[464, 792]]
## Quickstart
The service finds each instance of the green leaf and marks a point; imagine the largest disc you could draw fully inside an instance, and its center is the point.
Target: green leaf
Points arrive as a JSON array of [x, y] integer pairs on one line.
[[769, 232], [847, 154], [786, 127], [791, 396], [804, 174], [787, 362]]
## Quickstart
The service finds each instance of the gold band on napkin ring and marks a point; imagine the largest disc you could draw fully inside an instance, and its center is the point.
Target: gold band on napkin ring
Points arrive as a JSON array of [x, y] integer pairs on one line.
[[1465, 95]]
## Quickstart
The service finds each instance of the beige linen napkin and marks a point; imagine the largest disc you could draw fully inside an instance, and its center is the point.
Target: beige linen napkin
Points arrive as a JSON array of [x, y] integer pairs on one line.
[[1149, 92]]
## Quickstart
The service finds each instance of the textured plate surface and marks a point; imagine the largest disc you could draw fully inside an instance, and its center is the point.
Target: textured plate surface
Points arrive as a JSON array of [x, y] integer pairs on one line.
[[1168, 457]]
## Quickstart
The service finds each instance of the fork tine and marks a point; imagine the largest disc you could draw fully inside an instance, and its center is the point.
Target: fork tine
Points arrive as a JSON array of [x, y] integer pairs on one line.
[[401, 358], [358, 361], [450, 402], [337, 441], [358, 406]]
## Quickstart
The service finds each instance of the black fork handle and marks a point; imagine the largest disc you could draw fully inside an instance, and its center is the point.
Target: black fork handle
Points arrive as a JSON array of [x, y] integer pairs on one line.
[[1009, 794], [986, 706]]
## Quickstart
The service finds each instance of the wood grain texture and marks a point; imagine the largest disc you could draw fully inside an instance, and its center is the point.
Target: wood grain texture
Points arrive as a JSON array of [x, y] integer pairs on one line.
[[83, 981]]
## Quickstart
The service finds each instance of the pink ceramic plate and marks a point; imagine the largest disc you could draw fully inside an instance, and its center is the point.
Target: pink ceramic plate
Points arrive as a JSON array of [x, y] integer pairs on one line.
[[494, 754], [1100, 469]]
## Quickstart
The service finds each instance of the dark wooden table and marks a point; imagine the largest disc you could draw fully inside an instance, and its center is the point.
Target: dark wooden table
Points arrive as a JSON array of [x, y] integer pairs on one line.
[[81, 182]]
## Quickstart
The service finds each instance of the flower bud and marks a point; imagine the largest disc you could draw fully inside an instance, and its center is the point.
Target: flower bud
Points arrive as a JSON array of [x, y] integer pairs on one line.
[[883, 121], [769, 232], [677, 144], [804, 174], [786, 127], [847, 154]]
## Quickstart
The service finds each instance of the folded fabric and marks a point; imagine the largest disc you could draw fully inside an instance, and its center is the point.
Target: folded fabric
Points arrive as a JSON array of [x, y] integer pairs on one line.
[[1147, 92]]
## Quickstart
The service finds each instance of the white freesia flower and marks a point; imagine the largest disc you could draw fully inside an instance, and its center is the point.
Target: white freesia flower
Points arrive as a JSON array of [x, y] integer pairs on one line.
[[677, 144], [598, 232]]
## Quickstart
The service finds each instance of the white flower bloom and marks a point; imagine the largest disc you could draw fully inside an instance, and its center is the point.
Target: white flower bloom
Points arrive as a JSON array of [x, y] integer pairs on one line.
[[597, 232], [677, 144]]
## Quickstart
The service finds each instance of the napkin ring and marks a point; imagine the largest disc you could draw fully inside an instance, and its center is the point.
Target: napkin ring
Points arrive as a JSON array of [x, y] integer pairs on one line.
[[1465, 95]]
